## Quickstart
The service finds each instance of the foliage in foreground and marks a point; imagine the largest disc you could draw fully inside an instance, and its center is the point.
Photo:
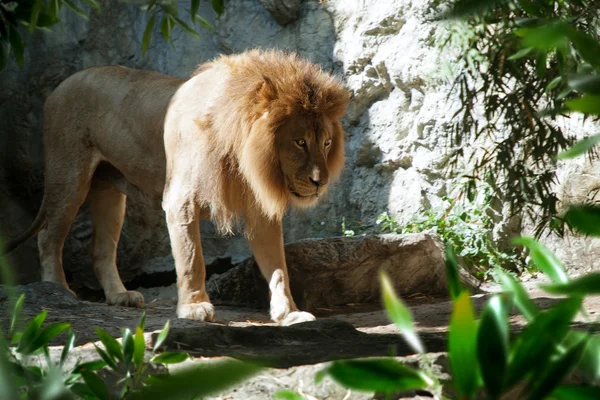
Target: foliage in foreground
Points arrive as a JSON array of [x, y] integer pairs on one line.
[[19, 18], [137, 376], [521, 64]]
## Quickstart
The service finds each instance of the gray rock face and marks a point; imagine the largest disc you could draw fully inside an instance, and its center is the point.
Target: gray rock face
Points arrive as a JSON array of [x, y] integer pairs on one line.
[[282, 11], [341, 270]]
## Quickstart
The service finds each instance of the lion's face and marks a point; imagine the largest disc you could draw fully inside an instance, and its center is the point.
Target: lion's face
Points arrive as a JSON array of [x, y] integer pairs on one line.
[[305, 144]]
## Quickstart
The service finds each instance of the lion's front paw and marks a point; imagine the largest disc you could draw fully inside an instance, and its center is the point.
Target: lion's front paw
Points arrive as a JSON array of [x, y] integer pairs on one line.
[[203, 311], [295, 317], [130, 298]]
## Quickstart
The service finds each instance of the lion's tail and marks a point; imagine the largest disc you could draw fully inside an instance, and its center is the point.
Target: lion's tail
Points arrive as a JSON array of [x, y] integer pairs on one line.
[[34, 228]]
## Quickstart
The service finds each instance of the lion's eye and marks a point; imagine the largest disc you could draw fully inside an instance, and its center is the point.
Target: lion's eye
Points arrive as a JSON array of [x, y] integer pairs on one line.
[[328, 143], [301, 142]]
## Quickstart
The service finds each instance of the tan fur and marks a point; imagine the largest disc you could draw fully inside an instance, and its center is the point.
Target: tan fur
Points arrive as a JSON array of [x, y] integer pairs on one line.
[[245, 137]]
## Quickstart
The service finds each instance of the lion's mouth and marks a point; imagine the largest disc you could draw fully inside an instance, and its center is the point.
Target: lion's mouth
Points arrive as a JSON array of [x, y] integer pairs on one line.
[[300, 196]]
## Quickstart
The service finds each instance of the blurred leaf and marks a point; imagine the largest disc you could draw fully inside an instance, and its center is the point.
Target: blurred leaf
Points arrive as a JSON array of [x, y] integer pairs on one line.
[[91, 365], [399, 313], [521, 53], [8, 389], [196, 381], [35, 13], [288, 395], [204, 23], [544, 259], [580, 147], [139, 346], [148, 33], [587, 47], [521, 299], [16, 312], [128, 346], [584, 218], [587, 104], [194, 5], [462, 342], [107, 358], [553, 83], [166, 25], [186, 28], [95, 384], [31, 332], [589, 364], [384, 375], [94, 4], [75, 9], [218, 6], [82, 390], [142, 323], [540, 339], [68, 346], [54, 7], [576, 393], [170, 358], [452, 274], [112, 346], [492, 345], [544, 37], [585, 83], [465, 8], [170, 8], [4, 52], [588, 284], [17, 45], [162, 336], [47, 334], [555, 370]]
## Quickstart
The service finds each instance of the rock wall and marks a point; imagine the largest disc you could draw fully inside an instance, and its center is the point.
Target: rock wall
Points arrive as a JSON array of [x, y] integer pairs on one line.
[[383, 50]]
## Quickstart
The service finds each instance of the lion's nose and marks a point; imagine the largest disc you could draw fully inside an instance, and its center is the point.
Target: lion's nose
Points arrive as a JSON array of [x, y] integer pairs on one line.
[[317, 183]]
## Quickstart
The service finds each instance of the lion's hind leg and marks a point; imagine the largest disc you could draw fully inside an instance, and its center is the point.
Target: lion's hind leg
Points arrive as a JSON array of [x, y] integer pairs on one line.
[[108, 212]]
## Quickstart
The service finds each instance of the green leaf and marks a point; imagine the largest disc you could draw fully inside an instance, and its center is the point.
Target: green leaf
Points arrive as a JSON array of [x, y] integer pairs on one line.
[[452, 274], [584, 218], [218, 6], [462, 345], [580, 147], [585, 83], [204, 23], [520, 297], [148, 33], [54, 7], [492, 345], [555, 370], [8, 387], [47, 334], [166, 25], [553, 83], [576, 393], [589, 365], [288, 395], [587, 47], [544, 259], [68, 347], [399, 313], [384, 375], [75, 9], [186, 28], [521, 53], [587, 104], [90, 366], [17, 45], [540, 339], [128, 346], [31, 332], [16, 312], [170, 358], [545, 37], [35, 13], [162, 336], [94, 4], [82, 390], [586, 285], [112, 346], [196, 381], [107, 358], [194, 5], [142, 323], [95, 384], [139, 346]]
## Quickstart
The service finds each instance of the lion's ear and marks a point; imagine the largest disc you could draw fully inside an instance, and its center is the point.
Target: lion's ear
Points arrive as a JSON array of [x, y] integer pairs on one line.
[[336, 100], [267, 92]]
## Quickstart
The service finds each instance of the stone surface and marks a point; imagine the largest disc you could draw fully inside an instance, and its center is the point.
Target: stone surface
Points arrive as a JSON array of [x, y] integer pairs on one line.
[[283, 11], [341, 270]]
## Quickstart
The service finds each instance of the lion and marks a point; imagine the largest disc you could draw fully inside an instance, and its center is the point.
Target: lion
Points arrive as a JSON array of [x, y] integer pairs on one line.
[[243, 139]]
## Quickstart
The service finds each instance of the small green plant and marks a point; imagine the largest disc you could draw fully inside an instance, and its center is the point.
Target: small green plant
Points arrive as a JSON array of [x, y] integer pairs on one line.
[[139, 375], [466, 226]]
